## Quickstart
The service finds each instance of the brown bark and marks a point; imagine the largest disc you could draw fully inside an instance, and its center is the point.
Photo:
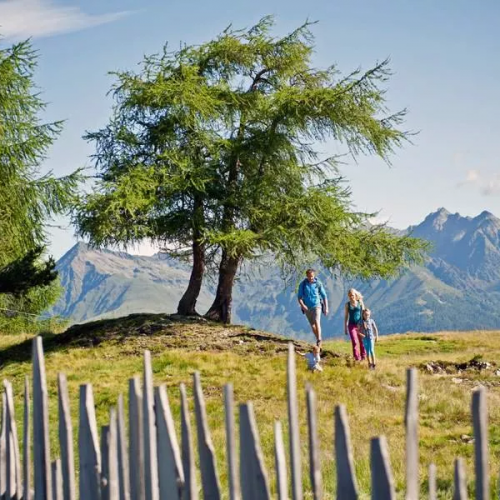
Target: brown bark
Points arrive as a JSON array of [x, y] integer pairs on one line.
[[187, 304], [222, 305]]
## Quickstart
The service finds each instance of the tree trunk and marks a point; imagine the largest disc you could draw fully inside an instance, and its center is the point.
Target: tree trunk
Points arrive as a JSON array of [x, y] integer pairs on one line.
[[221, 307], [187, 304]]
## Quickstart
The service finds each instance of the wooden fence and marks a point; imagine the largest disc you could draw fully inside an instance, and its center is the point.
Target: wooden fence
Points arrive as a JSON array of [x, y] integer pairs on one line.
[[148, 463]]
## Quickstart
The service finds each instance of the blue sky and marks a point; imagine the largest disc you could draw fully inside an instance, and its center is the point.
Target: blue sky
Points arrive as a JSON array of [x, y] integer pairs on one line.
[[444, 55]]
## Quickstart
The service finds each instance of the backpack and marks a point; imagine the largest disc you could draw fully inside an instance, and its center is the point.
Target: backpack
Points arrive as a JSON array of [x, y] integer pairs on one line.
[[318, 283]]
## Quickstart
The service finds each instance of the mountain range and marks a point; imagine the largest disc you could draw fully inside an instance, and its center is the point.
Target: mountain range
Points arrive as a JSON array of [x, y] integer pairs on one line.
[[458, 287]]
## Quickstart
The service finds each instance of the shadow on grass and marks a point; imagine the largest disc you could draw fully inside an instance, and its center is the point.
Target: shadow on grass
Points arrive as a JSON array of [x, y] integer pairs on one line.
[[85, 335]]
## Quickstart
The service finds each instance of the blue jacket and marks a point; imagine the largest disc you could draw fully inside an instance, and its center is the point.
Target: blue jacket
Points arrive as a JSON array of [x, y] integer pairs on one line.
[[312, 293]]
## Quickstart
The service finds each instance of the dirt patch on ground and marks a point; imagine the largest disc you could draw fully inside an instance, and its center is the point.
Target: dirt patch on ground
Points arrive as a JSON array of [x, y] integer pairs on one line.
[[471, 374], [476, 364]]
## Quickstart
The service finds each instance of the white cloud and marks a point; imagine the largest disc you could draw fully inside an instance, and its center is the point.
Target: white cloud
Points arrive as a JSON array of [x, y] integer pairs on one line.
[[471, 177], [488, 186], [491, 186], [38, 18]]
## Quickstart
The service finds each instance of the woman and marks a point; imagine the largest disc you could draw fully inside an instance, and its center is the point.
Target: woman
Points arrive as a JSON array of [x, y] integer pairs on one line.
[[352, 317]]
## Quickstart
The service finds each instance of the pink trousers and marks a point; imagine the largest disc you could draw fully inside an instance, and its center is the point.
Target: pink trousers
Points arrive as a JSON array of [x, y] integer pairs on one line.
[[358, 349]]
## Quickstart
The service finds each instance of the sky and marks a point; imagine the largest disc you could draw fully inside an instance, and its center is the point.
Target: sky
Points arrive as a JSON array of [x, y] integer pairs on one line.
[[444, 56]]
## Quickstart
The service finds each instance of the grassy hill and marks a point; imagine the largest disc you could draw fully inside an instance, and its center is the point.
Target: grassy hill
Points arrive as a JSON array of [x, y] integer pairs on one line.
[[109, 352]]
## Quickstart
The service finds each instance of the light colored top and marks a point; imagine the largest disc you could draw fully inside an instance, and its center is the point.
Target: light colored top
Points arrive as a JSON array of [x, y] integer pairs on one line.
[[367, 328]]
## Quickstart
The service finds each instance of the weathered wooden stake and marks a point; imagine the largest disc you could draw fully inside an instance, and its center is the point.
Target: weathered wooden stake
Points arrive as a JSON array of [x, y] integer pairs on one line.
[[347, 488], [104, 462], [190, 488], [57, 480], [480, 425], [280, 462], [314, 460], [3, 448], [208, 466], [432, 482], [66, 440], [109, 451], [41, 442], [233, 478], [254, 482], [382, 479], [293, 426], [150, 452], [411, 423], [123, 463], [13, 457], [136, 440], [88, 447], [170, 471], [460, 492], [26, 443]]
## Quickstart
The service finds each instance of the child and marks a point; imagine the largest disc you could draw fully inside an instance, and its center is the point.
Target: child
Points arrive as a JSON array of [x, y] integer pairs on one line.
[[368, 332], [313, 359]]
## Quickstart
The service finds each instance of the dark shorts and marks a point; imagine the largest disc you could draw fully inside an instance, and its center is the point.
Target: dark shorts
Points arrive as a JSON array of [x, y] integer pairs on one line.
[[313, 314]]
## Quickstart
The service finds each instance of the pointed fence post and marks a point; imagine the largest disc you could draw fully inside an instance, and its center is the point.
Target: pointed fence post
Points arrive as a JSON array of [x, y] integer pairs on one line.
[[171, 475], [3, 448], [88, 447], [208, 466], [13, 456], [123, 465], [382, 479], [347, 488], [66, 440], [136, 440], [314, 461], [190, 488], [432, 482], [109, 451], [57, 480], [280, 462], [411, 423], [293, 424], [41, 442], [150, 452], [460, 492], [254, 482], [104, 462], [26, 443], [233, 479], [480, 425]]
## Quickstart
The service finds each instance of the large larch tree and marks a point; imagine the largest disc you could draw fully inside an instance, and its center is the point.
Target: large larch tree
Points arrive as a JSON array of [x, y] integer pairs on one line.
[[213, 150]]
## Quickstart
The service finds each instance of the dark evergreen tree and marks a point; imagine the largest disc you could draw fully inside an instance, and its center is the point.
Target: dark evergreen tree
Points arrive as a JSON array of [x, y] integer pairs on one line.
[[27, 199]]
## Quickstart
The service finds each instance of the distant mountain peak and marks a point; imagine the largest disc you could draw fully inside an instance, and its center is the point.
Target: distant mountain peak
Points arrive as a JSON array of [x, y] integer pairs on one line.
[[485, 215], [437, 219]]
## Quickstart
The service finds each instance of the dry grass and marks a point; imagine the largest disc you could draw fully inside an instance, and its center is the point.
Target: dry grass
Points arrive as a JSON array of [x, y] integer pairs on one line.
[[109, 353]]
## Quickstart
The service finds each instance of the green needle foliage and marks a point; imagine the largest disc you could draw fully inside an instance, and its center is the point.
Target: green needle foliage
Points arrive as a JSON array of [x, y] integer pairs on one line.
[[214, 148], [27, 199]]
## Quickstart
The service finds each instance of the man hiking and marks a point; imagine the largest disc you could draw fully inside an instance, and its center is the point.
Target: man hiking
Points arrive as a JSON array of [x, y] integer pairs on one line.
[[312, 299]]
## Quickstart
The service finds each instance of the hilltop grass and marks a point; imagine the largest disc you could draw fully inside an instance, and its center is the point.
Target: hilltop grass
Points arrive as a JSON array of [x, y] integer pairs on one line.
[[109, 353]]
